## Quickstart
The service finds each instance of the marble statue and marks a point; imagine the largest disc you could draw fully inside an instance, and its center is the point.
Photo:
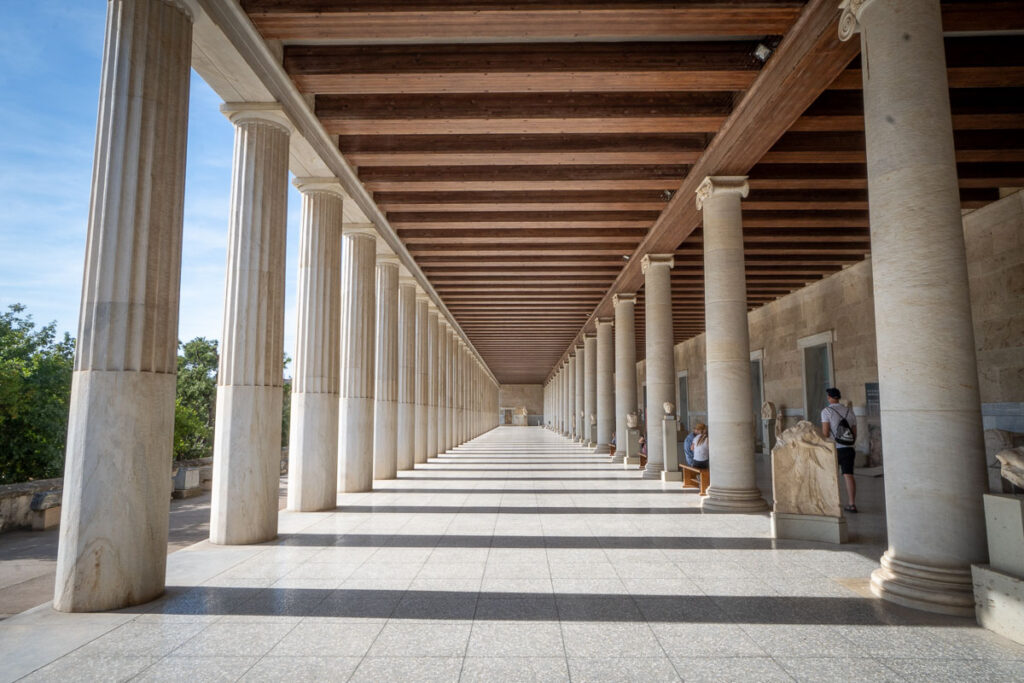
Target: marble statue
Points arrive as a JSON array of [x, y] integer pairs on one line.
[[804, 473], [632, 421], [668, 407], [768, 411], [1011, 465]]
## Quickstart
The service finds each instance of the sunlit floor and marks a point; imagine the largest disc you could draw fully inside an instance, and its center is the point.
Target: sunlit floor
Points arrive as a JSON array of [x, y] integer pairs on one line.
[[519, 556]]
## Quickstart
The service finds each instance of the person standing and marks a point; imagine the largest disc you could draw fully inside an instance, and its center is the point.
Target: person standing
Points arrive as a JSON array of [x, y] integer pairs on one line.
[[839, 425]]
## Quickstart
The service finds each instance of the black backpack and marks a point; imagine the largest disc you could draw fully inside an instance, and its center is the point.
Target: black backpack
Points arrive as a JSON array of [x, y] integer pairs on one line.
[[843, 434]]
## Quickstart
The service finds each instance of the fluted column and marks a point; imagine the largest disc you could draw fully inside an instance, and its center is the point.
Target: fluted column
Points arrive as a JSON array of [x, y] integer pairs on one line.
[[930, 413], [580, 397], [661, 371], [313, 440], [113, 532], [570, 385], [733, 476], [247, 441], [406, 427], [625, 367], [568, 391], [422, 373], [443, 396], [385, 406], [589, 387], [358, 338], [605, 362], [450, 413], [457, 394], [433, 363]]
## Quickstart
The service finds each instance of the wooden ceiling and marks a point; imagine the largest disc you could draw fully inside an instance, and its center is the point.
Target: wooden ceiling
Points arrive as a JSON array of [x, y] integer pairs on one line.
[[527, 154]]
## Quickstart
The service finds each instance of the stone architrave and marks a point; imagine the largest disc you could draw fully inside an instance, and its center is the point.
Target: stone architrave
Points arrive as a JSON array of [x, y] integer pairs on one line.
[[406, 426], [247, 441], [625, 368], [422, 376], [113, 536], [385, 405], [358, 336], [927, 369], [806, 487], [605, 385], [731, 454], [316, 375], [661, 369], [589, 387]]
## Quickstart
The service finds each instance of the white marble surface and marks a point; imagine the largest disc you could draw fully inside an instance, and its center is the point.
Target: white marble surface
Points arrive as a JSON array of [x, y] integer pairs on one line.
[[661, 369], [625, 367]]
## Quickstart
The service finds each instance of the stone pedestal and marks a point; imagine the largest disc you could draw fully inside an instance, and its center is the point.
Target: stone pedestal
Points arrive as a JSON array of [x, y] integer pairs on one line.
[[927, 371], [355, 410], [661, 367], [732, 465], [247, 440], [999, 586], [625, 368], [670, 439], [313, 439], [113, 539], [821, 528], [631, 449]]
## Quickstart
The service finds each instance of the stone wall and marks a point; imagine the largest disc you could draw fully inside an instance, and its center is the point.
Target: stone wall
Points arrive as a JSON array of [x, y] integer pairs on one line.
[[518, 395]]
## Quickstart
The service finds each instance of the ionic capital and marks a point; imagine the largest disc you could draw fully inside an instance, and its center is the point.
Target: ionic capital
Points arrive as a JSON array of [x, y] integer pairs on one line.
[[187, 7], [720, 185], [328, 185], [849, 20], [657, 260], [623, 299], [263, 112], [362, 230], [387, 261], [589, 335]]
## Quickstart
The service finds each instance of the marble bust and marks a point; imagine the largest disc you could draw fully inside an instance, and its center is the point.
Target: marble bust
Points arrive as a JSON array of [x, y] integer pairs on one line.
[[632, 420]]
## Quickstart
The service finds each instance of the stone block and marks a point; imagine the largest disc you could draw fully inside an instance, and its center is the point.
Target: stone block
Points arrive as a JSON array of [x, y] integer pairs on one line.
[[186, 478], [999, 601], [1004, 523], [669, 431], [822, 528], [671, 476], [47, 518]]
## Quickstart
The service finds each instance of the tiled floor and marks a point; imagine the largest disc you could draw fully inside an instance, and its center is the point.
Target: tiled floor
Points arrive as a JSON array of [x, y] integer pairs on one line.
[[519, 556]]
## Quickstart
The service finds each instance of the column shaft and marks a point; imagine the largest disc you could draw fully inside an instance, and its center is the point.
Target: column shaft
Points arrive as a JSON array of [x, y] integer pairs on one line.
[[247, 440], [355, 410], [113, 532], [385, 407], [313, 441], [605, 362], [589, 389], [625, 367], [433, 360], [731, 438], [927, 371], [422, 372], [661, 370], [406, 431]]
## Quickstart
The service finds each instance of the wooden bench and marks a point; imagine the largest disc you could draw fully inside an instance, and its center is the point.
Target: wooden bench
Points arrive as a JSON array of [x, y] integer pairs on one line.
[[695, 477]]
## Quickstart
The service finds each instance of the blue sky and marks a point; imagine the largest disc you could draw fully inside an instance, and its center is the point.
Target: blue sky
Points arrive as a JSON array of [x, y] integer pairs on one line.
[[50, 62]]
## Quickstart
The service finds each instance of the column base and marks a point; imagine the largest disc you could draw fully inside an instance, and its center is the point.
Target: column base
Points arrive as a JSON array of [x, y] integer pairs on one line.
[[733, 500], [630, 462], [602, 449], [652, 473], [930, 589], [672, 476]]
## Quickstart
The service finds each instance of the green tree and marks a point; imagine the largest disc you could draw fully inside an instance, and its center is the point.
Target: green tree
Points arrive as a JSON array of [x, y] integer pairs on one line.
[[286, 404], [195, 407], [35, 390]]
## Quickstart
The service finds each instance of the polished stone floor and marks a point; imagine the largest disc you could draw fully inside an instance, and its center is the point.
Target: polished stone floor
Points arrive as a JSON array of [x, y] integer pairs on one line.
[[519, 556]]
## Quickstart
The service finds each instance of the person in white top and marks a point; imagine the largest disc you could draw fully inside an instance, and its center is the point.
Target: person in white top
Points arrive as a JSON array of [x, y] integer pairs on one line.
[[839, 425], [700, 446]]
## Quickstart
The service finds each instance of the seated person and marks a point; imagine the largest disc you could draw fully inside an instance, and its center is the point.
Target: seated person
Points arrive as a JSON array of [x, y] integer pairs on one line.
[[700, 447], [688, 447]]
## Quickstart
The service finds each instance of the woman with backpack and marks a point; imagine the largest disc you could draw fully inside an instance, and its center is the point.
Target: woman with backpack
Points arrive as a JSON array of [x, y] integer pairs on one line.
[[839, 424]]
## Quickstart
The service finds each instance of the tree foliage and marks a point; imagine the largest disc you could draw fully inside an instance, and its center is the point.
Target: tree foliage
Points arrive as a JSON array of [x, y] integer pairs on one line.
[[196, 405], [35, 390]]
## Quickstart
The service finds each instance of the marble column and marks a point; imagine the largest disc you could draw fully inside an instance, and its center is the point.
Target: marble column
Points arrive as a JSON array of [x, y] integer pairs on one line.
[[733, 476], [421, 372], [580, 397], [930, 405], [443, 340], [316, 375], [660, 357], [113, 532], [406, 427], [358, 337], [625, 367], [570, 385], [605, 361], [247, 441], [385, 405], [449, 427], [433, 358], [589, 388]]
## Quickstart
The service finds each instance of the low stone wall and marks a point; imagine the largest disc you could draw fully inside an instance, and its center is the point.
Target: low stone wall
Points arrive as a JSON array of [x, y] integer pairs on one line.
[[16, 502]]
